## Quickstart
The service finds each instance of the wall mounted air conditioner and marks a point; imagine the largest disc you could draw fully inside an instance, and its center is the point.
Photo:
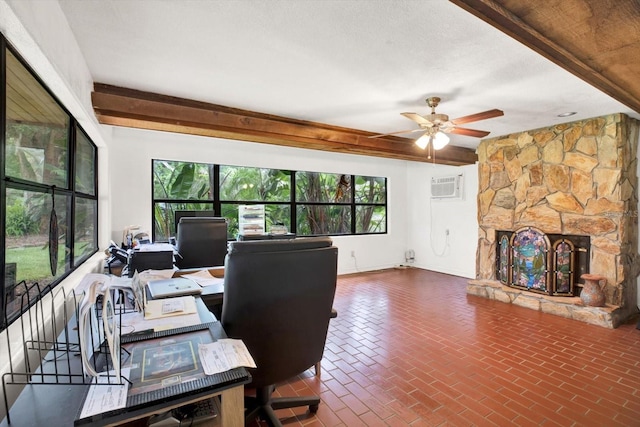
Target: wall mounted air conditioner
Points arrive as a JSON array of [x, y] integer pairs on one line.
[[446, 187]]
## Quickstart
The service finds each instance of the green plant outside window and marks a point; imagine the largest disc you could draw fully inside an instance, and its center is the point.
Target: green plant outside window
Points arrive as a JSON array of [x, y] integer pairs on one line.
[[318, 203]]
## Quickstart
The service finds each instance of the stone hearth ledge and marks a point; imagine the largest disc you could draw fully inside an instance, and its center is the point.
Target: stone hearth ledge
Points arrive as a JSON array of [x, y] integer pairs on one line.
[[609, 316]]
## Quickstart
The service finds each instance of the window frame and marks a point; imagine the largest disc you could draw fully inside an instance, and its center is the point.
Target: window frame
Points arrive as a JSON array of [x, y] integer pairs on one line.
[[293, 204], [18, 183]]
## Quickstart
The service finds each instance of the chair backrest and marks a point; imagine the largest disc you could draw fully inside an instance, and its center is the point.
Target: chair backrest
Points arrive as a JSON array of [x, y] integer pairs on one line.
[[278, 298], [202, 242], [179, 214]]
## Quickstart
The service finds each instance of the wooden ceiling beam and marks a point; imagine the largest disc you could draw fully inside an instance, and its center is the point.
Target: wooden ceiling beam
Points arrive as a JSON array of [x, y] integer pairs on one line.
[[118, 106], [558, 31]]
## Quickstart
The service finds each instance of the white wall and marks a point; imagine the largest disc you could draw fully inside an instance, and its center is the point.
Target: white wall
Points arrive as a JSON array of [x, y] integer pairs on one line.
[[132, 151], [428, 219]]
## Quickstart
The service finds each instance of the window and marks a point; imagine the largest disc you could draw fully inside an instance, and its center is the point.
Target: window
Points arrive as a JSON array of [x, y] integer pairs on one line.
[[48, 189], [307, 203], [324, 203], [179, 186]]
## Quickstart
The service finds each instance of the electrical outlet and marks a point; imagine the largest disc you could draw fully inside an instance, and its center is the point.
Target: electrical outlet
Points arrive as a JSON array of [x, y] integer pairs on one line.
[[353, 254]]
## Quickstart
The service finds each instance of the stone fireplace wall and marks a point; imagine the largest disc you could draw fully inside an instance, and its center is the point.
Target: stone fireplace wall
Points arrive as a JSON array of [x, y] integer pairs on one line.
[[574, 178]]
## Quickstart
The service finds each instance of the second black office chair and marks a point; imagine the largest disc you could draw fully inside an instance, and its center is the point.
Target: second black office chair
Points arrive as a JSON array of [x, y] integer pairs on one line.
[[278, 299], [202, 242]]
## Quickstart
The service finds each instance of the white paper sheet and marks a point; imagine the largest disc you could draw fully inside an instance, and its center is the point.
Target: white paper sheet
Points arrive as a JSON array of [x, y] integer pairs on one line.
[[204, 278], [223, 355], [88, 324], [148, 275], [102, 398], [135, 322], [93, 280], [172, 305], [156, 247]]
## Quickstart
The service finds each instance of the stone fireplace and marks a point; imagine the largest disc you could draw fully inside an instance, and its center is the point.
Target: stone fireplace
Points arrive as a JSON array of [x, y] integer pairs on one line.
[[576, 178]]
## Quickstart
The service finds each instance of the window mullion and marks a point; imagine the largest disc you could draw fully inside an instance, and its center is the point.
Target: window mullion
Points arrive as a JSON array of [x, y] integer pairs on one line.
[[294, 205], [353, 204], [71, 184], [3, 187]]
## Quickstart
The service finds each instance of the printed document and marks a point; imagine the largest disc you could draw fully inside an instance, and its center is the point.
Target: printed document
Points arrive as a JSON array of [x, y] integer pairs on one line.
[[223, 355], [171, 305], [178, 306], [102, 398]]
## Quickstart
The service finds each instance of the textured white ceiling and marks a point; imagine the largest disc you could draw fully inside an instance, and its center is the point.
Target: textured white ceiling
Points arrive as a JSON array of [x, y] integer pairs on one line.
[[351, 63]]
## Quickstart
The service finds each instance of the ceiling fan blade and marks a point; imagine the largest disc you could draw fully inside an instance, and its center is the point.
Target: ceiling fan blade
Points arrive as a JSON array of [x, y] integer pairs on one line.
[[417, 118], [469, 132], [478, 116], [396, 133]]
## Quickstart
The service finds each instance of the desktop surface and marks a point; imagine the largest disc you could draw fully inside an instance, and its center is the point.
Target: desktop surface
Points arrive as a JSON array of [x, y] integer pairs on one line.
[[60, 404]]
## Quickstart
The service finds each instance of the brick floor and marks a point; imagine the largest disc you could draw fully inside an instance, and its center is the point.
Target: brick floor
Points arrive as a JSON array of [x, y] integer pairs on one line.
[[409, 347]]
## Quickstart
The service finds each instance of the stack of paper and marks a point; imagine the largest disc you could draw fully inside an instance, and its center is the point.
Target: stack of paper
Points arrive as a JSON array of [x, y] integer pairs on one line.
[[167, 307]]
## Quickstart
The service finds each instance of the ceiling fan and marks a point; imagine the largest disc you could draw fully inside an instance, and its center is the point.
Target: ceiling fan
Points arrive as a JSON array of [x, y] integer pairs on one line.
[[436, 126]]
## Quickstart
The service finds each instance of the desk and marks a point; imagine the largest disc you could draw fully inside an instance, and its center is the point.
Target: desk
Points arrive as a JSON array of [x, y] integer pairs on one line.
[[59, 404]]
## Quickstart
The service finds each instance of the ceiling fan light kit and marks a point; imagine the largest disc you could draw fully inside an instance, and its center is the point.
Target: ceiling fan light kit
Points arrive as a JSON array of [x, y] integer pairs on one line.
[[435, 126], [423, 141], [437, 138], [440, 140]]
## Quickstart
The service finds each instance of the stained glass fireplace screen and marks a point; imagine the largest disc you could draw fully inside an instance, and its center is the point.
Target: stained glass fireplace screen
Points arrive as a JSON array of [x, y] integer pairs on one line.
[[530, 259], [563, 263], [549, 263], [503, 260]]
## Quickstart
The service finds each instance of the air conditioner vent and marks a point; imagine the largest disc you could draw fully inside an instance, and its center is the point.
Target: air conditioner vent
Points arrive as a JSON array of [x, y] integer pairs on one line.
[[446, 187]]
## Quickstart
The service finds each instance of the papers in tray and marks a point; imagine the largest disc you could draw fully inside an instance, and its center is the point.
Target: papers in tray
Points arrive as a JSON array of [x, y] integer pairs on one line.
[[223, 355], [97, 284], [167, 307], [92, 286], [93, 329]]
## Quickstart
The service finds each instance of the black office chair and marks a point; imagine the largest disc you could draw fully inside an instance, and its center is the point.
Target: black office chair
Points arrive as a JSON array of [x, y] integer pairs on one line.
[[201, 242], [278, 298]]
